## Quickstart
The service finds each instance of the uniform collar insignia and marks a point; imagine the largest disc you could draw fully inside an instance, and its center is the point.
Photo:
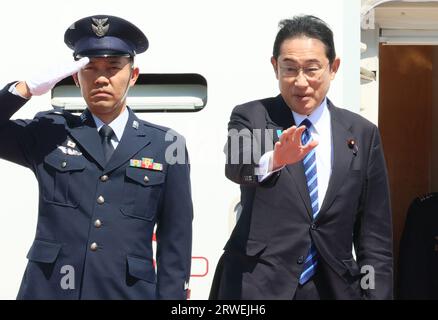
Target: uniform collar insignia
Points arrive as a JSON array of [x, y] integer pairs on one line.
[[135, 124]]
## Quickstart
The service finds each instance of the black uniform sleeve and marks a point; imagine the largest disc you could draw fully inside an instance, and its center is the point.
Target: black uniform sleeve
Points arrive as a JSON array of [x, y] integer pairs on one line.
[[14, 136], [174, 234]]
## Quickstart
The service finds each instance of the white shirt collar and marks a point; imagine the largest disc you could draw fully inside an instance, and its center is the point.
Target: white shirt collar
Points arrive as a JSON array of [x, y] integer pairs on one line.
[[320, 117], [118, 124]]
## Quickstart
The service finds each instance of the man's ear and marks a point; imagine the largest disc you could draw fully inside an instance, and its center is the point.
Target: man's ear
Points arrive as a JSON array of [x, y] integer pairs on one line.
[[75, 78], [275, 66], [134, 76], [335, 67]]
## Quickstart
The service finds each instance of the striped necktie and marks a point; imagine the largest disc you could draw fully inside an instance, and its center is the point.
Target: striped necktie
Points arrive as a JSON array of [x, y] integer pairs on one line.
[[309, 163]]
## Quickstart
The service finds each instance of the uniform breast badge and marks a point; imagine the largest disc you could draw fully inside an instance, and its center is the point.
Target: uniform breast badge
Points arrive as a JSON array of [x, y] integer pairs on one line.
[[146, 163], [71, 144], [69, 151]]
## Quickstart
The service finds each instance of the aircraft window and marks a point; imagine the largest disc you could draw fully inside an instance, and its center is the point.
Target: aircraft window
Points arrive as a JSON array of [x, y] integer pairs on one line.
[[151, 93]]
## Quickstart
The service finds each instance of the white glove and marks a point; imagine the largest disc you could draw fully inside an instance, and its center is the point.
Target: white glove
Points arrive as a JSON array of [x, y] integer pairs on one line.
[[44, 82]]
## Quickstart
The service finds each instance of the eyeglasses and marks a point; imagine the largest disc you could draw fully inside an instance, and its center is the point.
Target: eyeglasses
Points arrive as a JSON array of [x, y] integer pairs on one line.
[[311, 73]]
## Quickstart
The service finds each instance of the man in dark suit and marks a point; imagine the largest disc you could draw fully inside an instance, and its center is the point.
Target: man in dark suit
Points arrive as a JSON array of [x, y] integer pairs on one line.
[[322, 189], [104, 178]]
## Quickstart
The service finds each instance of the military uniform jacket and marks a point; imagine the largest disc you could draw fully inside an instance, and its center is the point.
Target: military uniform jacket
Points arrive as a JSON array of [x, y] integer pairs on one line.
[[98, 219]]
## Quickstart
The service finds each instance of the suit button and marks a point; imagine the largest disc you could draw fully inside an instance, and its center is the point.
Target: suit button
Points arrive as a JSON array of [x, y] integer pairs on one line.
[[300, 260], [104, 178], [94, 246], [146, 179], [101, 200], [313, 226], [97, 223], [64, 164]]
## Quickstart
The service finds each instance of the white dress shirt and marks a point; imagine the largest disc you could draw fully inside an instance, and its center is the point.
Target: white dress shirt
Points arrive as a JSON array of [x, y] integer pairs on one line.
[[321, 131], [118, 125]]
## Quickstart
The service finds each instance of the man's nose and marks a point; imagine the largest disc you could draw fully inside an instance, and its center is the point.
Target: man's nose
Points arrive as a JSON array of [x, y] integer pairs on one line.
[[301, 80], [101, 79]]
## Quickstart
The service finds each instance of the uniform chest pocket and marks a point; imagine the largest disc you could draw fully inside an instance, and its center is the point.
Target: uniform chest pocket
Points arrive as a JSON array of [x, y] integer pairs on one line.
[[61, 185], [142, 192]]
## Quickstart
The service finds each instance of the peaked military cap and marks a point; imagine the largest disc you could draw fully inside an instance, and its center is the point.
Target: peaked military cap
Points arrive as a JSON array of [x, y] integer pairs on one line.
[[103, 36]]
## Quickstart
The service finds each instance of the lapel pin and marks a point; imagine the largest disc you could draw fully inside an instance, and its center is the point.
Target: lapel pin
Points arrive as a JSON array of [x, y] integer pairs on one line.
[[352, 145], [135, 124]]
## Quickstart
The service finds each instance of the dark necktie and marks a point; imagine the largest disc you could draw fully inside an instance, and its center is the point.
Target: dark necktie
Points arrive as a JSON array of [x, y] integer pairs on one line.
[[106, 133], [309, 163]]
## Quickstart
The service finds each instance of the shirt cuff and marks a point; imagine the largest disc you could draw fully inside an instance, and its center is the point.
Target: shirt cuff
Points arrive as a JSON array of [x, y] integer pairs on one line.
[[265, 166], [12, 89]]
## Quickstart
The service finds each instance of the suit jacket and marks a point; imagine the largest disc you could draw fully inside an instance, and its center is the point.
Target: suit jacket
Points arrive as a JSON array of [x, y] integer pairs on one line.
[[111, 258], [418, 259], [264, 256]]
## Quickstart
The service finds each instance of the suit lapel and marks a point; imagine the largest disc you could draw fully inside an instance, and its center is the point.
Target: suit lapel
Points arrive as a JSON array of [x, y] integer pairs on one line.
[[342, 157], [297, 172], [85, 133], [134, 138], [281, 117]]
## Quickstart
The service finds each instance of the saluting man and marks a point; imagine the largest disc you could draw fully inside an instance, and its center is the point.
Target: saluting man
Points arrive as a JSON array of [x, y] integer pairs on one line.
[[104, 179]]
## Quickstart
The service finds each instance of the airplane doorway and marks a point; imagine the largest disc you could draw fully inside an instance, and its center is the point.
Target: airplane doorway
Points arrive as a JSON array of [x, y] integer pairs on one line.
[[408, 122]]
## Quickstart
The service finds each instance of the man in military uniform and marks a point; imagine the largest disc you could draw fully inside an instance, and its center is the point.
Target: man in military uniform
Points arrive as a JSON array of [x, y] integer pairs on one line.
[[104, 179]]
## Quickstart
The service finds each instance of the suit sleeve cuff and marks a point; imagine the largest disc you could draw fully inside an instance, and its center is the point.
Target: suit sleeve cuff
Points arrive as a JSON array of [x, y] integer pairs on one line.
[[264, 170]]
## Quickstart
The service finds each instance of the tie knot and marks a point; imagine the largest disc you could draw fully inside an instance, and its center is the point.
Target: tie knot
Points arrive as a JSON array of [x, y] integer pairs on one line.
[[306, 122], [106, 132], [306, 137]]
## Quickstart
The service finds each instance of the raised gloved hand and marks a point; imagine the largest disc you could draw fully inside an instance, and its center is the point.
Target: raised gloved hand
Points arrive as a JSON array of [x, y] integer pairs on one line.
[[44, 82]]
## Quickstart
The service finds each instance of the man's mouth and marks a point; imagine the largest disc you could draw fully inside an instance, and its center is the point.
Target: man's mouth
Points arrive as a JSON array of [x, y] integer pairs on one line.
[[301, 96], [100, 93]]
